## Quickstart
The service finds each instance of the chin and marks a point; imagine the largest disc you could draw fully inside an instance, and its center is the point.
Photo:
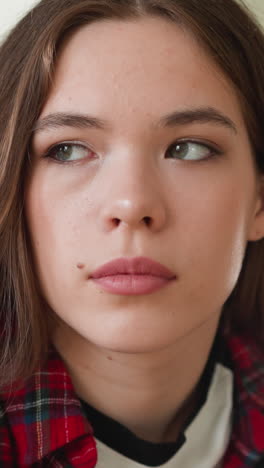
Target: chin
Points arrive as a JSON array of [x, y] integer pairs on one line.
[[135, 343]]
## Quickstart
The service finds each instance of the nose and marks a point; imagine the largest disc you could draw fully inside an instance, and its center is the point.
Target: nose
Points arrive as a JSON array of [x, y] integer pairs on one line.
[[128, 212], [133, 197]]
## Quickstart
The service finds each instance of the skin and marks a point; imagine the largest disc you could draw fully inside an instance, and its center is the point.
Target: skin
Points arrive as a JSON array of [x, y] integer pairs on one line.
[[139, 358]]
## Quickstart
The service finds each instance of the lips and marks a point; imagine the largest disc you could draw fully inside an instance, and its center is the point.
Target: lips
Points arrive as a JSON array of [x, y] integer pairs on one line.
[[132, 276], [133, 266]]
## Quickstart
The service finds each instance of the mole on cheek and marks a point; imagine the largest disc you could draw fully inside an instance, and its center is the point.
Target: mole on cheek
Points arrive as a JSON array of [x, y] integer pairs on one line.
[[80, 266]]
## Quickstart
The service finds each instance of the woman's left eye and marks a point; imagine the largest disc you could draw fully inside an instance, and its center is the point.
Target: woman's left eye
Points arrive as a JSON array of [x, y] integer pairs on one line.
[[191, 151], [68, 152]]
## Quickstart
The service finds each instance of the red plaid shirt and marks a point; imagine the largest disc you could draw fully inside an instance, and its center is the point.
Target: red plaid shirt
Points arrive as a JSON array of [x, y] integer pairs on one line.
[[43, 424]]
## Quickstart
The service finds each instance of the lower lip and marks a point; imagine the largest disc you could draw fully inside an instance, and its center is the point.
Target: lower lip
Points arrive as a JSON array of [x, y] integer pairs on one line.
[[131, 285]]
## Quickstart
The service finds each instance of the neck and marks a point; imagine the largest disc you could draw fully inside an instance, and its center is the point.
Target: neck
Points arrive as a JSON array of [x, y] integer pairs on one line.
[[152, 394]]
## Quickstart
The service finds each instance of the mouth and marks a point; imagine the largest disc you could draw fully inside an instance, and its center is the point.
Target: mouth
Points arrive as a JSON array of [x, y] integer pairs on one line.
[[132, 276]]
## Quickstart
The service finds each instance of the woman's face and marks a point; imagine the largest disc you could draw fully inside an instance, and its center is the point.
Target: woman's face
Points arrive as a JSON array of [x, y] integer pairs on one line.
[[190, 175]]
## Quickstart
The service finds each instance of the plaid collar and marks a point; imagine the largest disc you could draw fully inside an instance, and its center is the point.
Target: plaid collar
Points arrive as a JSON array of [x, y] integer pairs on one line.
[[246, 448], [45, 416]]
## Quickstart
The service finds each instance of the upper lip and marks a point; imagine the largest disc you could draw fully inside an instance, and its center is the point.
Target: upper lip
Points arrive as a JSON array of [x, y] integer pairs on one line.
[[133, 266]]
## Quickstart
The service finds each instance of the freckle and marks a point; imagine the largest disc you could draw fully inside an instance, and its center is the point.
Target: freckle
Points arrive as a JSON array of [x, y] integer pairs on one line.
[[80, 266]]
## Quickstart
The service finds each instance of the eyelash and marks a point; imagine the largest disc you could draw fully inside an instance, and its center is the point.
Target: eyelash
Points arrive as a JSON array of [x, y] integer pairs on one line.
[[213, 149]]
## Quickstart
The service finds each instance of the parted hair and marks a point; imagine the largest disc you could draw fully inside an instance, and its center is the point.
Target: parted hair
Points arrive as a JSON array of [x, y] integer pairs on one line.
[[231, 37]]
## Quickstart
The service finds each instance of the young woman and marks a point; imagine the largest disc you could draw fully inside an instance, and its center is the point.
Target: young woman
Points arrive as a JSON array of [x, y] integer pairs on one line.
[[131, 233]]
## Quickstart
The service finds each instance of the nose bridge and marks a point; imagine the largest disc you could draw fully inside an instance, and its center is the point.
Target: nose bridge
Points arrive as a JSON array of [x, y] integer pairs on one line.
[[134, 173], [132, 191]]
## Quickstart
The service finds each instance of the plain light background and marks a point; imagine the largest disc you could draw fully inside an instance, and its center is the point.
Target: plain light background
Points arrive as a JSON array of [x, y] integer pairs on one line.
[[13, 10]]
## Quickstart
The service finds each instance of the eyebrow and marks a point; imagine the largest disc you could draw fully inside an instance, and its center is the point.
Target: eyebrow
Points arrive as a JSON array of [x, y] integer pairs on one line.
[[199, 115], [177, 118]]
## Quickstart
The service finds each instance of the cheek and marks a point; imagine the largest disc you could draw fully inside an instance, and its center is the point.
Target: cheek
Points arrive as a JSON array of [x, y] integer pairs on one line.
[[216, 238], [55, 221]]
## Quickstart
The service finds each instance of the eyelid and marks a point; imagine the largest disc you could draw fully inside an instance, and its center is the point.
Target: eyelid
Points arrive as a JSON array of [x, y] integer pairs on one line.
[[213, 149], [47, 154], [200, 141], [66, 142]]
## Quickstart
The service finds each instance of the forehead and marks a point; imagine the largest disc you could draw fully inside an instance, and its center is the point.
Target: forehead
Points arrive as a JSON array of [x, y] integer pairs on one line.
[[137, 69]]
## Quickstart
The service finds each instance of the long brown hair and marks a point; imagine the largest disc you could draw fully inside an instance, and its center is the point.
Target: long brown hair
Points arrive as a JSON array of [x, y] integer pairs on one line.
[[27, 61]]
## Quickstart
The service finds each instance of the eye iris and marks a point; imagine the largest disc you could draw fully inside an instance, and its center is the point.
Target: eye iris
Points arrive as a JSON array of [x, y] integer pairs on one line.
[[181, 149], [64, 152]]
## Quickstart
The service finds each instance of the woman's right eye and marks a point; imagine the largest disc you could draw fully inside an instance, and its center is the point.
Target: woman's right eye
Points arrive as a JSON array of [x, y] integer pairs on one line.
[[68, 152]]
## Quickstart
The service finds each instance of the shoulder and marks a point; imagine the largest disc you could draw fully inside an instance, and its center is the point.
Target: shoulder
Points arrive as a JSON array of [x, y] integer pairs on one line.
[[41, 415], [6, 446], [247, 358]]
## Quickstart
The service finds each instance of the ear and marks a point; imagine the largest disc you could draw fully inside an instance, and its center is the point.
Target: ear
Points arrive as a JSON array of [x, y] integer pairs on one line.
[[256, 229]]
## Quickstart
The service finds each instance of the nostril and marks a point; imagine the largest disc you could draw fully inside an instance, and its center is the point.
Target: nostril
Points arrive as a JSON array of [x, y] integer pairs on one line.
[[147, 220], [116, 221]]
